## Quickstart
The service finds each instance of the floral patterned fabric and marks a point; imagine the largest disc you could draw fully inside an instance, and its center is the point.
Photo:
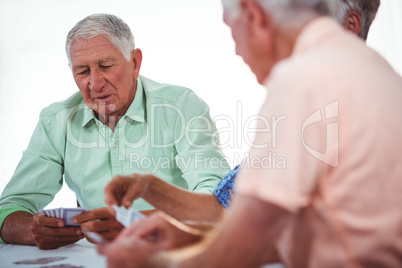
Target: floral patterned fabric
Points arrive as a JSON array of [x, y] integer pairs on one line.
[[224, 190]]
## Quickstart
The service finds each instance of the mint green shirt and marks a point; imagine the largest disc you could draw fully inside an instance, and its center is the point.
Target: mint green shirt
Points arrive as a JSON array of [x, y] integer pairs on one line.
[[167, 131]]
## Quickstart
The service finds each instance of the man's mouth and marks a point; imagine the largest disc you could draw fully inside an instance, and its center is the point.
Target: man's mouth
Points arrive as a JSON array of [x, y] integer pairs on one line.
[[103, 98]]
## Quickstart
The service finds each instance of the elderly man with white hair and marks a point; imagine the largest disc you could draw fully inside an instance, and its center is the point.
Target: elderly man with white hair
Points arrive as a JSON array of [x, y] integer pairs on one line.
[[118, 123], [357, 15], [336, 203]]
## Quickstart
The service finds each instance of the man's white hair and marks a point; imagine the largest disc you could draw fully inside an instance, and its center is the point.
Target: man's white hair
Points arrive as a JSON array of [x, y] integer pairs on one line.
[[367, 9], [288, 13], [110, 26]]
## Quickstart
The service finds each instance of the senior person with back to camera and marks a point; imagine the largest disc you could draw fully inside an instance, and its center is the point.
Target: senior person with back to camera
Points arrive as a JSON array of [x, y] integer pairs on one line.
[[119, 123], [341, 141], [356, 16]]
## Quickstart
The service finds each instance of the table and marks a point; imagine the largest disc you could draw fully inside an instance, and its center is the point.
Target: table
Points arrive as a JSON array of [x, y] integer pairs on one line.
[[79, 255]]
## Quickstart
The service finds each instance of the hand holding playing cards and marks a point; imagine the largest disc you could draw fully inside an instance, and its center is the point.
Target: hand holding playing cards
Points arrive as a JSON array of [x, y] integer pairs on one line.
[[136, 245], [123, 190], [50, 233], [101, 221]]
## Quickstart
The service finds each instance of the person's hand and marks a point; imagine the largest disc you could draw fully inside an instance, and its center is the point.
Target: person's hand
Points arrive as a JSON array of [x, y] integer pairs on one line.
[[50, 233], [158, 228], [145, 238], [123, 190], [128, 252], [101, 221]]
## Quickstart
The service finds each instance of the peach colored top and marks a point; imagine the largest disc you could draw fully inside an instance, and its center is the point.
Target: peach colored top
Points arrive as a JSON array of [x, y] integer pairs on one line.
[[329, 150]]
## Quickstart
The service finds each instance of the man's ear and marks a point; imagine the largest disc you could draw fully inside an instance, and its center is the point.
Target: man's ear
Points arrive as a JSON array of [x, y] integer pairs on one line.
[[353, 22], [136, 57], [254, 14]]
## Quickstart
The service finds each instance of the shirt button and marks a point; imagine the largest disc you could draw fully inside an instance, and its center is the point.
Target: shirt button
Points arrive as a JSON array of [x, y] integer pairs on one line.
[[114, 145]]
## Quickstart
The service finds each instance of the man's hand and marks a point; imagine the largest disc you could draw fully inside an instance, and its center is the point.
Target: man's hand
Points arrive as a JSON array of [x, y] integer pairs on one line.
[[145, 238], [123, 190], [101, 221], [50, 233], [159, 229]]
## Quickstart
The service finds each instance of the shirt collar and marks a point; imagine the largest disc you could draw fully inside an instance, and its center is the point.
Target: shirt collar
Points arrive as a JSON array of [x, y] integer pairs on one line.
[[314, 33], [136, 111]]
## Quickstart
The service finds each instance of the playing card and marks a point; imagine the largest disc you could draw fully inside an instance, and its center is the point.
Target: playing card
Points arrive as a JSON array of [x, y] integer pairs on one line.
[[97, 238], [69, 213], [40, 260], [66, 214], [127, 216], [135, 215], [122, 216]]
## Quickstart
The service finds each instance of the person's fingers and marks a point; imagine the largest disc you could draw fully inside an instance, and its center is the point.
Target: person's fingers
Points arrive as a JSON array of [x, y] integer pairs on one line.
[[167, 234], [66, 231], [111, 234], [138, 228], [49, 237], [43, 220], [133, 228], [123, 190], [102, 225], [50, 242], [95, 214], [129, 251], [100, 221], [43, 239], [114, 191], [149, 227], [133, 192], [50, 233]]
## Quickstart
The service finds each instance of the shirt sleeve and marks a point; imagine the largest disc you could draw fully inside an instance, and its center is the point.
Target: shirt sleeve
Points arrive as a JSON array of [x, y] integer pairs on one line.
[[199, 155], [225, 189], [38, 176]]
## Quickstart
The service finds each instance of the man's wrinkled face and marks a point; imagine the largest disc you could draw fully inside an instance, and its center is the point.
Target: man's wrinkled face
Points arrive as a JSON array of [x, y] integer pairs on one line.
[[239, 33], [107, 81], [252, 48]]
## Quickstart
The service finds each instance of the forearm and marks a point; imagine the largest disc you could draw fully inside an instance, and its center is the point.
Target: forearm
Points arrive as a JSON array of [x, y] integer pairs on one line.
[[249, 231], [148, 212], [182, 204], [16, 228]]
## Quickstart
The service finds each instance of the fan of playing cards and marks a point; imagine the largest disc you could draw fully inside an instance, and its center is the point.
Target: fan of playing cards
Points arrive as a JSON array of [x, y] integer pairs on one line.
[[66, 214], [127, 216], [124, 216]]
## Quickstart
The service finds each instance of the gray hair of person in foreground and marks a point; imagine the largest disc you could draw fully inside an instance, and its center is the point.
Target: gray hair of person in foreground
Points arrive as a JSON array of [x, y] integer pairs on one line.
[[288, 14], [110, 26], [367, 9]]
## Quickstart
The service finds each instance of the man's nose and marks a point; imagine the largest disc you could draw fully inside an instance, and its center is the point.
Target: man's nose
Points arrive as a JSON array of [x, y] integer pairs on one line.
[[96, 80]]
